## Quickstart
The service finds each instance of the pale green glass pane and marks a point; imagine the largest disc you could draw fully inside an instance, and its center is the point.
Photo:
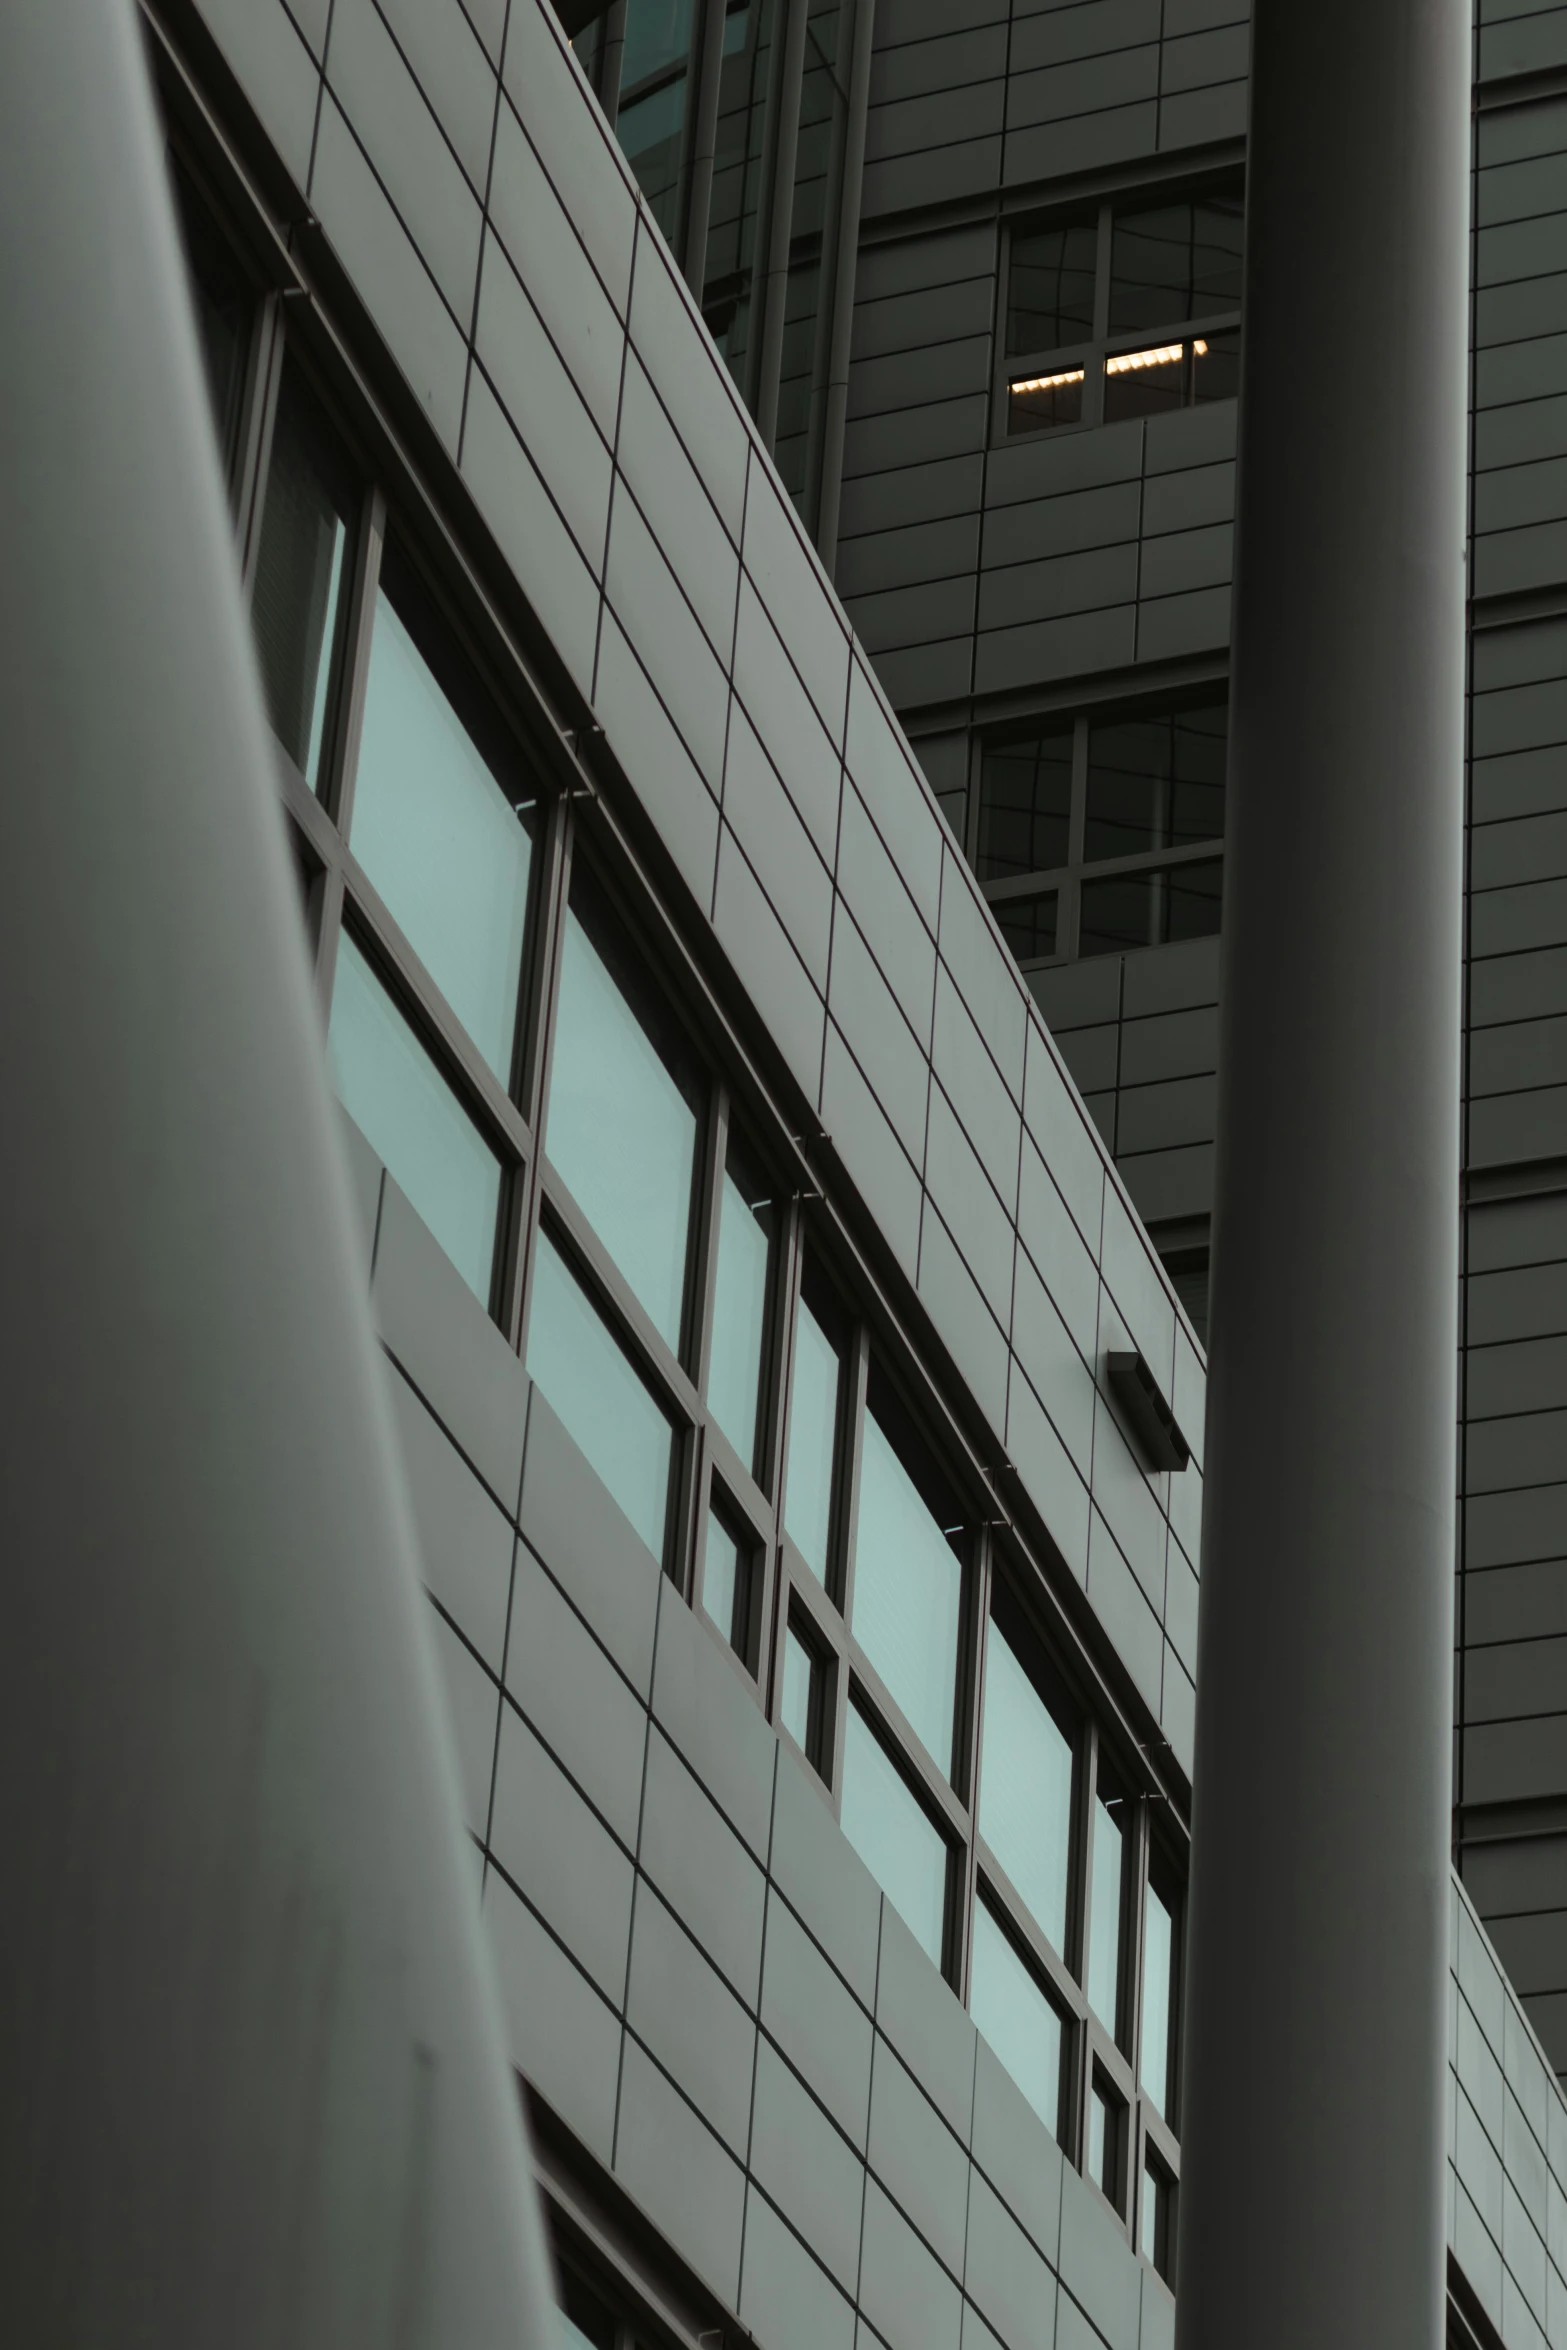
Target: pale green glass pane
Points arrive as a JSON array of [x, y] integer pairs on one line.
[[412, 1120], [795, 1707], [1104, 1924], [908, 1588], [1021, 2024], [734, 1375], [1025, 1789], [720, 1574], [597, 1396], [621, 1132], [1150, 2216], [813, 1429], [1158, 1960], [1098, 2135], [891, 1833], [440, 840]]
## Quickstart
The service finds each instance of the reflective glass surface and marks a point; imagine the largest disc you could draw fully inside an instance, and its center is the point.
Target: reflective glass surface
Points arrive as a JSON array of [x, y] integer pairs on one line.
[[1050, 287], [1216, 367], [1029, 925], [795, 1703], [893, 1835], [1104, 1922], [435, 828], [1025, 1789], [658, 35], [585, 2322], [908, 1591], [1021, 2024], [738, 173], [1152, 2191], [747, 1223], [622, 1124], [299, 598], [597, 1395], [223, 304], [1158, 1967], [813, 1435], [1172, 262], [650, 130], [1150, 909], [1038, 403], [721, 1577], [1156, 782], [1146, 383], [1025, 805], [411, 1118]]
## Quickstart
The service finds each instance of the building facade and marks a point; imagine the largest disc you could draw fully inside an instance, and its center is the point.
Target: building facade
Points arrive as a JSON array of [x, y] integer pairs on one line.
[[639, 432]]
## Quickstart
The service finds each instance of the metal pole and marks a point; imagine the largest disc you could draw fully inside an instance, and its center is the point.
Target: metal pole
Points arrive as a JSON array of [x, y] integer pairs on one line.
[[1313, 2134], [255, 2088], [834, 407]]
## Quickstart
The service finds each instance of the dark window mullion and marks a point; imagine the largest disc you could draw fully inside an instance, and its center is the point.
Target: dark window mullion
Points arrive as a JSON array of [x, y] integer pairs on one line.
[[994, 1885], [541, 994], [972, 1704], [897, 1733], [337, 783], [258, 414], [632, 1324]]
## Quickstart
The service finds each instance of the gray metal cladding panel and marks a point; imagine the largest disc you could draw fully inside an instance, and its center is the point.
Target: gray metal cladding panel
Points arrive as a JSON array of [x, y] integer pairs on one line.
[[810, 2171], [688, 2018], [472, 1710], [1024, 532], [879, 1036], [1171, 1185], [904, 2291], [1093, 1056], [1516, 1603], [925, 2024], [688, 377], [1052, 1239], [1518, 783], [702, 1869], [1518, 1232], [465, 1542], [529, 529], [898, 21], [673, 789], [1518, 987], [930, 176], [785, 2295], [1197, 60], [916, 435], [1021, 2161], [543, 402], [1198, 622], [709, 1711], [1005, 2275], [280, 77], [1085, 86], [910, 379], [914, 265], [816, 2020], [1527, 1450], [1525, 43], [1191, 118], [1507, 1529], [917, 2158], [553, 1845], [583, 1709], [1187, 559], [664, 633], [679, 2172], [1093, 29], [986, 1105], [1158, 1117], [949, 487], [457, 78], [938, 119], [1092, 2268], [589, 1545], [561, 2034], [1529, 848], [909, 323], [669, 490], [936, 612], [1515, 1762], [823, 1879], [950, 1293], [1517, 1877], [903, 557], [1174, 1044], [941, 671], [1080, 143], [1514, 1682], [765, 823], [583, 162], [448, 1347], [946, 61], [1518, 1126], [1072, 585], [369, 76], [874, 893], [1041, 650], [869, 1152], [1520, 371], [1507, 561], [1536, 306], [1527, 431], [1514, 1302]]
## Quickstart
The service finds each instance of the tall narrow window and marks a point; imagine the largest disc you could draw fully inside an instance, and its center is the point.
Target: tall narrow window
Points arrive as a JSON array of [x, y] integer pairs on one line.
[[739, 168], [413, 1121], [622, 1127], [442, 821], [1027, 1769], [729, 1587], [747, 1232], [1108, 1869], [814, 1414], [893, 1834], [1025, 805], [908, 1579], [598, 1396], [1159, 1985], [299, 601], [1022, 2025], [655, 83], [803, 1696]]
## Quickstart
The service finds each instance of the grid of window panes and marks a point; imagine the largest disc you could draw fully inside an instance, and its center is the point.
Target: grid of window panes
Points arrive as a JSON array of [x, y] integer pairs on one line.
[[498, 1028], [1131, 307], [1096, 835]]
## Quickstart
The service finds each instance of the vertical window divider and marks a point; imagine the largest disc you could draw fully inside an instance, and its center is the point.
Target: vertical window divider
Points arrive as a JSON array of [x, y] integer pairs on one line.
[[258, 414], [851, 1448], [1069, 913], [1000, 336], [981, 1577], [709, 1213], [1094, 389], [555, 885], [703, 143], [612, 43], [770, 267], [348, 722]]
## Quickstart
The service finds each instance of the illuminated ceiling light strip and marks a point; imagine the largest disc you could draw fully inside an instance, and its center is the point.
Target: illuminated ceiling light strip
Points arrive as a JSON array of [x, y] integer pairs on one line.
[[1125, 362], [1047, 383]]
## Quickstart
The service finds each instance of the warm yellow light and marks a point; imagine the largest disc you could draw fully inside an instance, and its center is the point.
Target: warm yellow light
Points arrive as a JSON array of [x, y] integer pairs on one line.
[[1048, 383], [1125, 362]]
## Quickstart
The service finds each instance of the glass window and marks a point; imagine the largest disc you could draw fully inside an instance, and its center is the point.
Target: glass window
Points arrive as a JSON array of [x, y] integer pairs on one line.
[[1158, 1990], [1172, 262], [1027, 1767], [223, 302], [1216, 367], [742, 1282], [413, 1120], [894, 1836], [1022, 2025], [802, 1703], [1146, 383], [1029, 925], [1025, 805], [908, 1579], [598, 1396], [728, 1585], [1050, 287], [623, 1109], [1038, 403], [1150, 909], [658, 35], [1158, 2207], [586, 2324], [1106, 2127], [813, 1423], [1156, 782], [299, 601], [1104, 1921], [650, 121], [434, 826]]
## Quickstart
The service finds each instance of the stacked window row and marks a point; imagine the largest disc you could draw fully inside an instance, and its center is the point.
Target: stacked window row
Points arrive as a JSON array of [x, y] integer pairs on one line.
[[498, 1031]]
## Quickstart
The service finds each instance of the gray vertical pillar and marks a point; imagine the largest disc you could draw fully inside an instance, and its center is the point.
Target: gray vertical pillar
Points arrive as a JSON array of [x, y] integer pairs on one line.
[[255, 2085], [1312, 2134]]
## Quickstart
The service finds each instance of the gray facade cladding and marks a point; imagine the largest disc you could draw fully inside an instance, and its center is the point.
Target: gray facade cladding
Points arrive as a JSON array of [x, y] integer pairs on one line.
[[759, 2096]]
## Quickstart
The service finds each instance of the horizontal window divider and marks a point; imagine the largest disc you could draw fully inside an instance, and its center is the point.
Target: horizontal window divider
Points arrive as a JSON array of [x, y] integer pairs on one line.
[[737, 1484], [997, 1887], [818, 1608], [366, 914], [1202, 852], [321, 835], [1105, 2052], [632, 1324], [936, 1790], [1160, 2136]]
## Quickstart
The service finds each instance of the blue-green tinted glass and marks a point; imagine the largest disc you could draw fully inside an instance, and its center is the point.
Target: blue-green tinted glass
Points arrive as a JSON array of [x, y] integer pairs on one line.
[[721, 1575], [440, 839], [1021, 2024], [412, 1120], [891, 1833], [297, 603], [795, 1704], [622, 1128], [1025, 1788], [813, 1433], [908, 1588], [1158, 1964], [1104, 1924], [658, 34], [746, 1224], [597, 1396]]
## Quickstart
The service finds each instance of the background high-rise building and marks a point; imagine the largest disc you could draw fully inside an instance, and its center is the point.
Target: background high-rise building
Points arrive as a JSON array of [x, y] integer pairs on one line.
[[800, 1382]]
